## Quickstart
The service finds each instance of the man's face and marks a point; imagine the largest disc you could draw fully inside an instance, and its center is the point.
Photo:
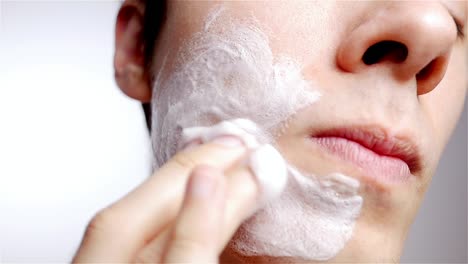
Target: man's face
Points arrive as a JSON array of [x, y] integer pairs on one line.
[[392, 79]]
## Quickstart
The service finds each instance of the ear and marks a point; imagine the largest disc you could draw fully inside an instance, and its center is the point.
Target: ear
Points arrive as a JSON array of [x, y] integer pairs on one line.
[[129, 60]]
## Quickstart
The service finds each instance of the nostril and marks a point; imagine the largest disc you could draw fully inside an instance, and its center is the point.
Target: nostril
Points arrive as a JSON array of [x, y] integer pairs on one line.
[[427, 71], [385, 50], [430, 76]]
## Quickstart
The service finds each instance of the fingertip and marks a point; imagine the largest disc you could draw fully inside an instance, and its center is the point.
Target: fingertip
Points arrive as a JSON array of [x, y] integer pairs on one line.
[[196, 234], [190, 145], [204, 182]]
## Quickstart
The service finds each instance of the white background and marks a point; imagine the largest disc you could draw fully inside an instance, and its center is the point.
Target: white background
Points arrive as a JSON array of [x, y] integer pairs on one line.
[[71, 143]]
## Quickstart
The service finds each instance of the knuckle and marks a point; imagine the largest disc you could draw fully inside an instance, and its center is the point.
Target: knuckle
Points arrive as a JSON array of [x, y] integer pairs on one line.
[[104, 222]]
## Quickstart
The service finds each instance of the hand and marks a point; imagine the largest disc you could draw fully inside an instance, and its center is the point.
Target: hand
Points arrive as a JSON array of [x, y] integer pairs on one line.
[[186, 212]]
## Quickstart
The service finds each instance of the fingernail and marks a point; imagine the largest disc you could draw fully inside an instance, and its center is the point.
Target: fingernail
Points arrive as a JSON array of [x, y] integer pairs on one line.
[[202, 184], [228, 141]]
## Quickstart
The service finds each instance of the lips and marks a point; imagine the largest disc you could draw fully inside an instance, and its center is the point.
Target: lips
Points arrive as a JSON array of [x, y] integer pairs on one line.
[[379, 156]]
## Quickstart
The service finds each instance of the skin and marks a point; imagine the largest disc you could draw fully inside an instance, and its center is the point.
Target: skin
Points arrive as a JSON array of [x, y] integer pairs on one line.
[[389, 93]]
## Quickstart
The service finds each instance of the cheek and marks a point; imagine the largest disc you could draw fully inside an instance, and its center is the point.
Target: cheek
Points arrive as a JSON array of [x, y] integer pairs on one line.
[[226, 71]]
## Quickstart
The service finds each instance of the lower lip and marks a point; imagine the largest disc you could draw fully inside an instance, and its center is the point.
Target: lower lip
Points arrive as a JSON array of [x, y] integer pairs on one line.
[[379, 167]]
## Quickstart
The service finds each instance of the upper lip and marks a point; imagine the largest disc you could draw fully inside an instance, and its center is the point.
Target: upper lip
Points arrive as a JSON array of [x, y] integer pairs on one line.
[[380, 141]]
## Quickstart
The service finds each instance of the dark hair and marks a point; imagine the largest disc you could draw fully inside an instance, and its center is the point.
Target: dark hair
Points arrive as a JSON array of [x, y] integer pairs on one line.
[[154, 17]]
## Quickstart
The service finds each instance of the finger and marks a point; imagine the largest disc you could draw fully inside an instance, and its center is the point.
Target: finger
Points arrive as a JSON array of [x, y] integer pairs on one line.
[[195, 237], [241, 201], [154, 250], [126, 226], [253, 187]]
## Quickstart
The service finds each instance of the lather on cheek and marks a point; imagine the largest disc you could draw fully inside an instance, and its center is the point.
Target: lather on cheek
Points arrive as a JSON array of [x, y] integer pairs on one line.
[[227, 71]]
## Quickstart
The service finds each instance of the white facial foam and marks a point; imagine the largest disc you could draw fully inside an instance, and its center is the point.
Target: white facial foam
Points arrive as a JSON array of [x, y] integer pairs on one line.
[[312, 219], [228, 71]]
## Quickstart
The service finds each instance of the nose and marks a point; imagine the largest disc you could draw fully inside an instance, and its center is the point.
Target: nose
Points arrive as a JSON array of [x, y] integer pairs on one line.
[[412, 40]]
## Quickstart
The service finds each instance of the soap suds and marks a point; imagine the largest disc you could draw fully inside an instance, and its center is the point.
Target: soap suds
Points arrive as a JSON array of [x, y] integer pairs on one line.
[[227, 71], [312, 220], [223, 73]]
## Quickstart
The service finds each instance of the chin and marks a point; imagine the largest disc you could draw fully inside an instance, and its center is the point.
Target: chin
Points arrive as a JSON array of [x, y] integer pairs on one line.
[[390, 203]]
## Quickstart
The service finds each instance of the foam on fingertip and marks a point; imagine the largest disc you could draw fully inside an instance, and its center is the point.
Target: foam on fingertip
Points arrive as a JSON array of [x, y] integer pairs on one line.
[[265, 162], [237, 127]]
